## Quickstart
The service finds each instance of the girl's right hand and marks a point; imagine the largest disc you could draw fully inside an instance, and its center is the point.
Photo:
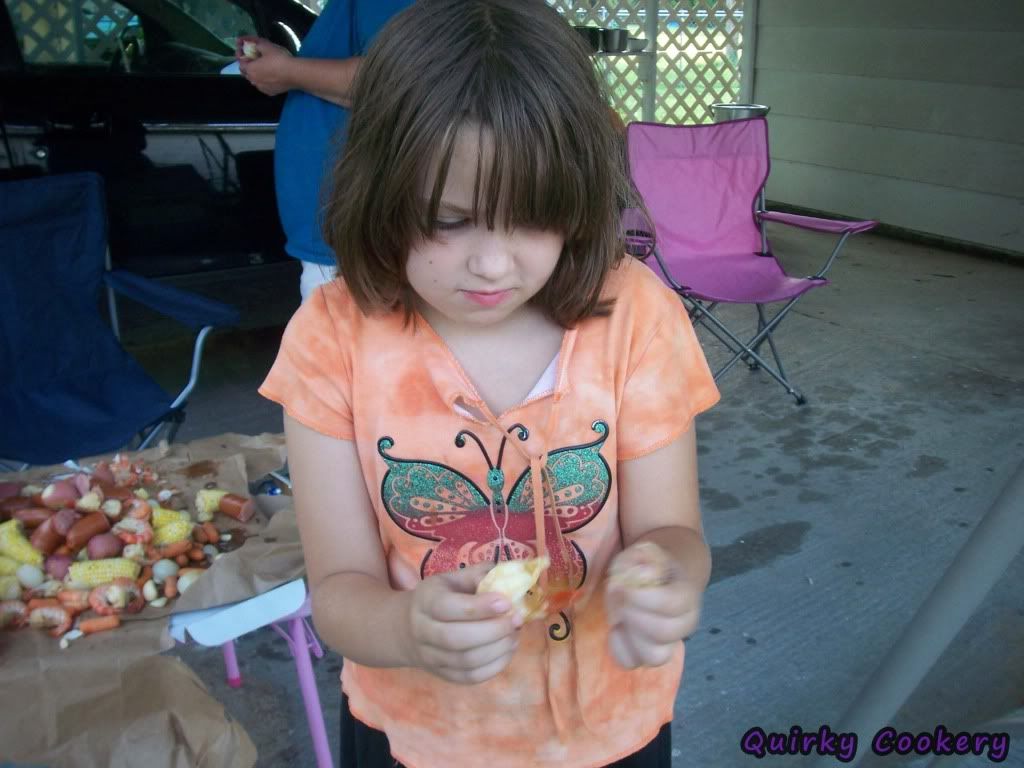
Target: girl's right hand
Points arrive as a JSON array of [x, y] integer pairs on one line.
[[458, 635]]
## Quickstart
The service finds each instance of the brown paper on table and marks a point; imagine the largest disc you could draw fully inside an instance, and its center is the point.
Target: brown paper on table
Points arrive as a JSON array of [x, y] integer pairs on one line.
[[151, 711], [267, 560], [110, 699]]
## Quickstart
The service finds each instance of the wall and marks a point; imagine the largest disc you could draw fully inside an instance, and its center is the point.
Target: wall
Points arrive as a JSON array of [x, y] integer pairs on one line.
[[907, 111]]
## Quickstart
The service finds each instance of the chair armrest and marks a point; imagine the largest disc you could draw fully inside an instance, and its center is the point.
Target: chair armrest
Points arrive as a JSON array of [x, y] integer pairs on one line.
[[835, 226], [186, 307]]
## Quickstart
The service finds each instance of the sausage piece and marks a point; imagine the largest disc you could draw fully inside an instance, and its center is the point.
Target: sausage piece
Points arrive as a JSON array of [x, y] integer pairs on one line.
[[45, 537], [238, 507], [32, 517], [89, 526]]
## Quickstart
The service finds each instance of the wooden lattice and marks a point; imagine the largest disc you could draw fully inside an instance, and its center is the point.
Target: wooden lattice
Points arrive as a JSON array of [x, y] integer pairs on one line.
[[68, 31], [696, 55]]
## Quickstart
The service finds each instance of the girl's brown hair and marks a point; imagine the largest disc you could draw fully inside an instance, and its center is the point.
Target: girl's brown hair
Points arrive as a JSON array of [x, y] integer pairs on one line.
[[517, 69]]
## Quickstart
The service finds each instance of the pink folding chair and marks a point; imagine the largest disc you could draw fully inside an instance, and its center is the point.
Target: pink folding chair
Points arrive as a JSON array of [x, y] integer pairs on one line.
[[702, 185]]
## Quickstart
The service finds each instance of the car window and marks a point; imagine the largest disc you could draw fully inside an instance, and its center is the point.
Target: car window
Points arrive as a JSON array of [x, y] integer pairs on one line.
[[224, 19], [134, 36]]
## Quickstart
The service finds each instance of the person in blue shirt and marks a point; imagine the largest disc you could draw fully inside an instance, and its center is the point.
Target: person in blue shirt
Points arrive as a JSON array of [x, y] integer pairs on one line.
[[312, 126]]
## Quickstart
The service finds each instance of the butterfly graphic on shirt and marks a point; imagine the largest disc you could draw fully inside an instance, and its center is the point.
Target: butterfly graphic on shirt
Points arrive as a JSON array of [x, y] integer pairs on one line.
[[435, 502]]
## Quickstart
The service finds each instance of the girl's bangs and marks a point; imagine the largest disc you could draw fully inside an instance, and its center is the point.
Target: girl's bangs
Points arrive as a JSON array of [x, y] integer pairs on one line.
[[524, 175]]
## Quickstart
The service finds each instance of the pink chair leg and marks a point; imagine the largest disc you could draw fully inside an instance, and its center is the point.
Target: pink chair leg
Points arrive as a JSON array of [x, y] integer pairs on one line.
[[307, 683], [231, 664]]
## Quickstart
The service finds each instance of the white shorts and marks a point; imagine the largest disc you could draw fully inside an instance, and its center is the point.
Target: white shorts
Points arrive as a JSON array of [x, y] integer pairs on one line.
[[313, 276]]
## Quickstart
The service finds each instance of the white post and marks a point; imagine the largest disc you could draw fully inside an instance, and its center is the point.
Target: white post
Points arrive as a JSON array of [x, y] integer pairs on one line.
[[749, 51], [650, 61]]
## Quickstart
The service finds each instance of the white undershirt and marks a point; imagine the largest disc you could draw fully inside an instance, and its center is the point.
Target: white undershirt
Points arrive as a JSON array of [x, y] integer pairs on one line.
[[545, 385]]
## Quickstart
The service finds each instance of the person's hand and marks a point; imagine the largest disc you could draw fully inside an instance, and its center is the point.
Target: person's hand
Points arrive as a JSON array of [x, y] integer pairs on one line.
[[267, 72], [246, 41], [458, 635], [650, 615]]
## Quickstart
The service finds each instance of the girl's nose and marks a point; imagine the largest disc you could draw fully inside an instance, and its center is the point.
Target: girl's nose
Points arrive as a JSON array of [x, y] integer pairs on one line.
[[492, 257]]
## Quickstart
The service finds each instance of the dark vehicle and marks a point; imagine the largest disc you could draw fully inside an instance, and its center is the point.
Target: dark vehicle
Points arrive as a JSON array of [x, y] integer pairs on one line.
[[146, 92]]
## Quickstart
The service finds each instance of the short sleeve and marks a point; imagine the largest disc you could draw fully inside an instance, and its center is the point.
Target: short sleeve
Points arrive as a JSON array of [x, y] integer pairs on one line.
[[311, 377], [667, 385]]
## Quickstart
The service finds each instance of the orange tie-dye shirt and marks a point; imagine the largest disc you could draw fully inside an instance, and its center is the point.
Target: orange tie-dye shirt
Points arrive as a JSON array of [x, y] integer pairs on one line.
[[449, 491]]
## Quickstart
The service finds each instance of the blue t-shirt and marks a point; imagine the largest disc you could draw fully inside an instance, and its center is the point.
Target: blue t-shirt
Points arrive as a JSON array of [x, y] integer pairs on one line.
[[311, 131]]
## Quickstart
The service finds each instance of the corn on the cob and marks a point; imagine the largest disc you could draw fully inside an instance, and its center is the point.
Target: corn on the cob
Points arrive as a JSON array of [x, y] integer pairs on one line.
[[92, 573], [8, 566], [10, 588], [172, 532], [163, 516], [207, 501], [14, 544]]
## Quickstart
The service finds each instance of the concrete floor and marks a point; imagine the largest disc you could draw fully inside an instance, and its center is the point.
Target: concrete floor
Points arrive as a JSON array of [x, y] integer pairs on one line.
[[830, 523]]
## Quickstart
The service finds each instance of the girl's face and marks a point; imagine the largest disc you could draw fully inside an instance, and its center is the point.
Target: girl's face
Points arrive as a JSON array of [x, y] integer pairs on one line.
[[470, 275]]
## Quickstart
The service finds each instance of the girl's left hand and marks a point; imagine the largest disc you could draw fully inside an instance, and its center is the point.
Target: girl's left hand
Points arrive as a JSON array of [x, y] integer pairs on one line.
[[648, 621]]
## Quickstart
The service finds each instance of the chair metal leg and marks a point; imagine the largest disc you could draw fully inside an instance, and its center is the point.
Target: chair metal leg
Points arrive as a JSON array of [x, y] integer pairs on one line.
[[197, 354], [696, 310], [177, 407], [300, 639], [743, 351], [234, 676], [150, 436], [115, 321], [310, 696], [770, 339]]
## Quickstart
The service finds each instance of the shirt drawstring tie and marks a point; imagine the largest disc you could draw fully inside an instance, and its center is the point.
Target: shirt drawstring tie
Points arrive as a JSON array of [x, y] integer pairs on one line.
[[542, 491]]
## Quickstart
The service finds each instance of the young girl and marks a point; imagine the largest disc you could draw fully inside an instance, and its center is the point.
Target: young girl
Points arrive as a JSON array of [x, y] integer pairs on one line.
[[490, 364]]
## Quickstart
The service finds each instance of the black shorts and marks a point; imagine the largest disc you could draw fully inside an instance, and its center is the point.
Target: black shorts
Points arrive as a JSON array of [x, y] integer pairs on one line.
[[366, 747]]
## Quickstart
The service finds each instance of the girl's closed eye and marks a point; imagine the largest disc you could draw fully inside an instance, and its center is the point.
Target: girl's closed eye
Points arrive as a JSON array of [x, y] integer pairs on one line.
[[447, 224]]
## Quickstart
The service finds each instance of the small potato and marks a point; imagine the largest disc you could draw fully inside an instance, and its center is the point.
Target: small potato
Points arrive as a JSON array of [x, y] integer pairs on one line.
[[57, 565], [104, 545], [64, 521]]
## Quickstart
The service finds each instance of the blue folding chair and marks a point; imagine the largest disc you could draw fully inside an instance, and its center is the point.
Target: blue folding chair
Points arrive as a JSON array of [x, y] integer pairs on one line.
[[68, 388]]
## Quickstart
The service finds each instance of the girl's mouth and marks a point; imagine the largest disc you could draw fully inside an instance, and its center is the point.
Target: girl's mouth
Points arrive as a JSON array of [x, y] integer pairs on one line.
[[487, 299]]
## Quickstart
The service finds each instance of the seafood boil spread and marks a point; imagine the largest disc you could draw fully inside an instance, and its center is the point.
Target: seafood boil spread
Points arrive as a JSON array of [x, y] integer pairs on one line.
[[81, 552]]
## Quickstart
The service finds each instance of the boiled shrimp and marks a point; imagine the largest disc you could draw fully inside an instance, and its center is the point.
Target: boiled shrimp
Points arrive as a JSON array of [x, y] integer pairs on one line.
[[56, 618], [137, 509], [118, 596], [13, 614], [131, 530]]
